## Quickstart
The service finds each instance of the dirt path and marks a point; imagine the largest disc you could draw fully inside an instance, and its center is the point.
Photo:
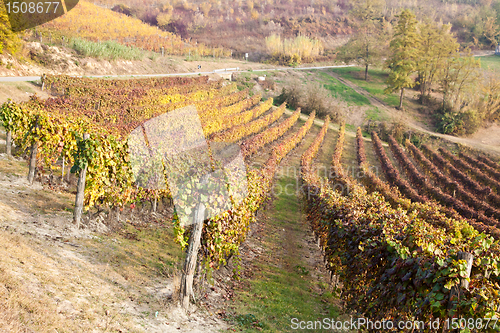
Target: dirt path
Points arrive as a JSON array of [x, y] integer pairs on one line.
[[474, 141]]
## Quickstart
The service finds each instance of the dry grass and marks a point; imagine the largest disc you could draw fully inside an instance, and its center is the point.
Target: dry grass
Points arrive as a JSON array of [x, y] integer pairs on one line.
[[107, 286], [22, 307], [50, 202], [55, 278], [13, 167], [41, 200]]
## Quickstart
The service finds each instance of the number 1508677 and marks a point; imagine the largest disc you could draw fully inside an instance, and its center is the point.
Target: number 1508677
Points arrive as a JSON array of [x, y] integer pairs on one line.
[[471, 323], [31, 7]]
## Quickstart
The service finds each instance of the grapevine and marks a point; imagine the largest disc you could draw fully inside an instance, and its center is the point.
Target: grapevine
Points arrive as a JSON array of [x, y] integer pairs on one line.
[[223, 234], [494, 184], [392, 263], [239, 132], [250, 146], [484, 167], [429, 211]]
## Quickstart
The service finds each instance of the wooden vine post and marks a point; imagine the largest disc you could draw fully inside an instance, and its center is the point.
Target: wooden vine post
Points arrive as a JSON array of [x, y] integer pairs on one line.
[[191, 257], [154, 204], [456, 291], [469, 258], [33, 153], [80, 192], [43, 81], [8, 143], [8, 139], [62, 170]]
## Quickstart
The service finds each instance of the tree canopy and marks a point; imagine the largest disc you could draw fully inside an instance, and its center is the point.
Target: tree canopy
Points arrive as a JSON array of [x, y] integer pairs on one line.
[[404, 54], [8, 40]]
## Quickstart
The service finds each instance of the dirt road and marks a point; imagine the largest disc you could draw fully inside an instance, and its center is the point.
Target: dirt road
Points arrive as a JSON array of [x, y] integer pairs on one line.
[[474, 141]]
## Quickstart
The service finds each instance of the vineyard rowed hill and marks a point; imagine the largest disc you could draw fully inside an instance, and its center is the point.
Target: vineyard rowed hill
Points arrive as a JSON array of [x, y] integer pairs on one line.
[[397, 241]]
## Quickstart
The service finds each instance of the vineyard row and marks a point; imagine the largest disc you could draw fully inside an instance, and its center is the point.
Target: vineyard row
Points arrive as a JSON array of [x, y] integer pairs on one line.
[[393, 264]]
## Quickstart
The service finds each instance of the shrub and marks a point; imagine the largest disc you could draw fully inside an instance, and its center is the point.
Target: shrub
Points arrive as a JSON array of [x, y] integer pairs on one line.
[[292, 52], [268, 84], [317, 98], [310, 97], [110, 50], [149, 17], [177, 27], [384, 129], [9, 41], [123, 9], [458, 123], [291, 95]]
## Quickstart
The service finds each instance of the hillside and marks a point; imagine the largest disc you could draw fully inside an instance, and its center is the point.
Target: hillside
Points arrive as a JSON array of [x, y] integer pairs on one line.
[[119, 267], [125, 262], [222, 29], [57, 59], [90, 22], [243, 25]]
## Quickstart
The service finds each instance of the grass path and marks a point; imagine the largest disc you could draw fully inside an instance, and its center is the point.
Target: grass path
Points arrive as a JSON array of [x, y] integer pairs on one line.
[[372, 159], [284, 275], [349, 158], [325, 153]]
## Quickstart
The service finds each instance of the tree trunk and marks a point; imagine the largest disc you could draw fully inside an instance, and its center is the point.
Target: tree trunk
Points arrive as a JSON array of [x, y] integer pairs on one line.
[[366, 72], [401, 99], [154, 205], [32, 169], [8, 143], [191, 257]]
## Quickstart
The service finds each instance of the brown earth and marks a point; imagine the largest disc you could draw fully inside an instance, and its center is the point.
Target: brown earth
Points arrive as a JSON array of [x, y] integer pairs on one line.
[[61, 60]]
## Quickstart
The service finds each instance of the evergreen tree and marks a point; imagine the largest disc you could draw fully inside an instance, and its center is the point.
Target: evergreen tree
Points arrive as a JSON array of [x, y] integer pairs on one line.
[[404, 54]]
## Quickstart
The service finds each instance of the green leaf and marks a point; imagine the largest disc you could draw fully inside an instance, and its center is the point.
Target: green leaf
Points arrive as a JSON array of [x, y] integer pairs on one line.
[[440, 262], [450, 284]]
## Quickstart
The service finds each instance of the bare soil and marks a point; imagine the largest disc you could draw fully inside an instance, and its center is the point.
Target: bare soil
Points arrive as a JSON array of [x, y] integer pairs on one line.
[[54, 276], [62, 60]]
